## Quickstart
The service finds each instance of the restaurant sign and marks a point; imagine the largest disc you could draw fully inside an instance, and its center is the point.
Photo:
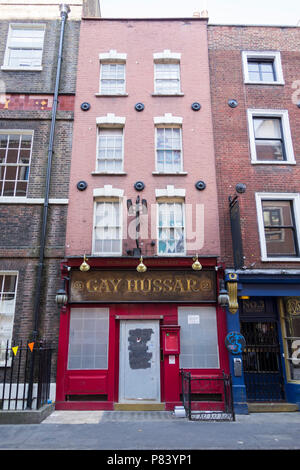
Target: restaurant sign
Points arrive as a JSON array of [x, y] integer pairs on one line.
[[131, 286]]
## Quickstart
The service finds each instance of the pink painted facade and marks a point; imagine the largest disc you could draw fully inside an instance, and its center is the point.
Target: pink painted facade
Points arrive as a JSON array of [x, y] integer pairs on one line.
[[139, 40], [172, 300]]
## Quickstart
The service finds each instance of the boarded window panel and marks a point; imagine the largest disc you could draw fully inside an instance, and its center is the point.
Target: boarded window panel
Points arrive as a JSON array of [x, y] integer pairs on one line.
[[88, 340], [198, 338]]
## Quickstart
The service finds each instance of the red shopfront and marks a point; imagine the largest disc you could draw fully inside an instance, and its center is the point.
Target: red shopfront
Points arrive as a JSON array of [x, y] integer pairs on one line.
[[125, 335]]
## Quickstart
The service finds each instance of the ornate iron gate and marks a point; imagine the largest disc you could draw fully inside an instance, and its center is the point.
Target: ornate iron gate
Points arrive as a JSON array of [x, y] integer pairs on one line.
[[262, 361]]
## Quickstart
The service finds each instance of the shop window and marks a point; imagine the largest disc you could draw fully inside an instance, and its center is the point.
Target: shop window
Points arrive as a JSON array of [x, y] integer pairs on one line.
[[24, 49], [15, 156], [8, 290], [88, 340], [291, 330], [198, 338]]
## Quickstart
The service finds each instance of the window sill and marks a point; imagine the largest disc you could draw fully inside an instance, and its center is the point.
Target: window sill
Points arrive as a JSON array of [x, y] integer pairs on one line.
[[292, 260], [255, 162], [178, 173], [171, 254], [6, 68], [248, 82], [101, 173], [118, 95], [25, 200], [167, 94]]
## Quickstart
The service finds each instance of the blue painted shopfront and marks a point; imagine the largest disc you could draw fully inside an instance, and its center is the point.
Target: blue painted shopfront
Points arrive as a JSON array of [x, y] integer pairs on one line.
[[272, 289]]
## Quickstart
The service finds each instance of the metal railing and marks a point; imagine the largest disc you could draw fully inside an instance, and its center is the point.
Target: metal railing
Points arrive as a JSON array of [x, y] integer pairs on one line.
[[224, 411], [25, 375]]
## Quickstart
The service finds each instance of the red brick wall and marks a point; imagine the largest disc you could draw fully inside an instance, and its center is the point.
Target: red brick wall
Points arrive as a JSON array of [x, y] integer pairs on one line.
[[232, 150]]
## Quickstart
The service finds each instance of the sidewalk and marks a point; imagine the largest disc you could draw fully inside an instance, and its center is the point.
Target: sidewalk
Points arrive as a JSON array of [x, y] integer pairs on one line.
[[121, 430]]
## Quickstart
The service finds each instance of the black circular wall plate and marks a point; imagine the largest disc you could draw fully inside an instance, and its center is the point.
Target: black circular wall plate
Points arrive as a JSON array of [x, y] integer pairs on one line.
[[196, 106], [240, 188], [81, 185], [85, 106], [139, 107], [200, 185], [232, 103], [139, 186]]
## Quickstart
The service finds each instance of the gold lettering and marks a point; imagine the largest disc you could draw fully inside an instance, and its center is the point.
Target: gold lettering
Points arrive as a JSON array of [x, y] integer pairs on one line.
[[193, 288], [115, 283], [134, 287], [143, 282], [92, 285], [104, 287], [178, 285], [157, 285], [167, 283]]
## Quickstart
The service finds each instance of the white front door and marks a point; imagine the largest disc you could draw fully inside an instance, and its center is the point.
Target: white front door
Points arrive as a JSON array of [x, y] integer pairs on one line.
[[139, 361]]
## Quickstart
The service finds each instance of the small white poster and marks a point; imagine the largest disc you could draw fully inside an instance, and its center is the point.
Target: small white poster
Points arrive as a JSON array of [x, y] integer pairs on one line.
[[171, 359], [193, 319]]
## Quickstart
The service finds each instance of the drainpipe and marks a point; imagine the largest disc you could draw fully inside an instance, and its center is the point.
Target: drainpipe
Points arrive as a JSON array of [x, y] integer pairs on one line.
[[64, 10]]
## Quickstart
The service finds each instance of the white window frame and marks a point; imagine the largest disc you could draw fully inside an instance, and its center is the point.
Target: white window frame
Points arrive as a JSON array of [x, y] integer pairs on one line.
[[167, 57], [171, 200], [274, 56], [170, 121], [116, 172], [10, 273], [102, 195], [283, 115], [29, 26], [295, 198], [168, 126], [113, 58], [20, 132]]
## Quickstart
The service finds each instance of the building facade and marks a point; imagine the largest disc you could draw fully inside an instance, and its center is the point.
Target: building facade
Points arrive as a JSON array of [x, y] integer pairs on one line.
[[142, 207], [255, 103], [35, 153]]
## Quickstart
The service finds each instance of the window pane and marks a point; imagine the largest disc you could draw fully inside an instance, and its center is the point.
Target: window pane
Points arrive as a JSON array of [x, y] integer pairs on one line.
[[269, 150], [280, 232], [88, 340], [292, 337], [170, 239], [8, 284], [110, 150], [267, 128], [198, 338], [15, 163], [168, 144], [107, 228], [261, 71], [112, 78]]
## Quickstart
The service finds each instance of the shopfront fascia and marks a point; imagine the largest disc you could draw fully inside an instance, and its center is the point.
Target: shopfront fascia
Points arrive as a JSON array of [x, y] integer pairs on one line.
[[264, 306], [125, 335]]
